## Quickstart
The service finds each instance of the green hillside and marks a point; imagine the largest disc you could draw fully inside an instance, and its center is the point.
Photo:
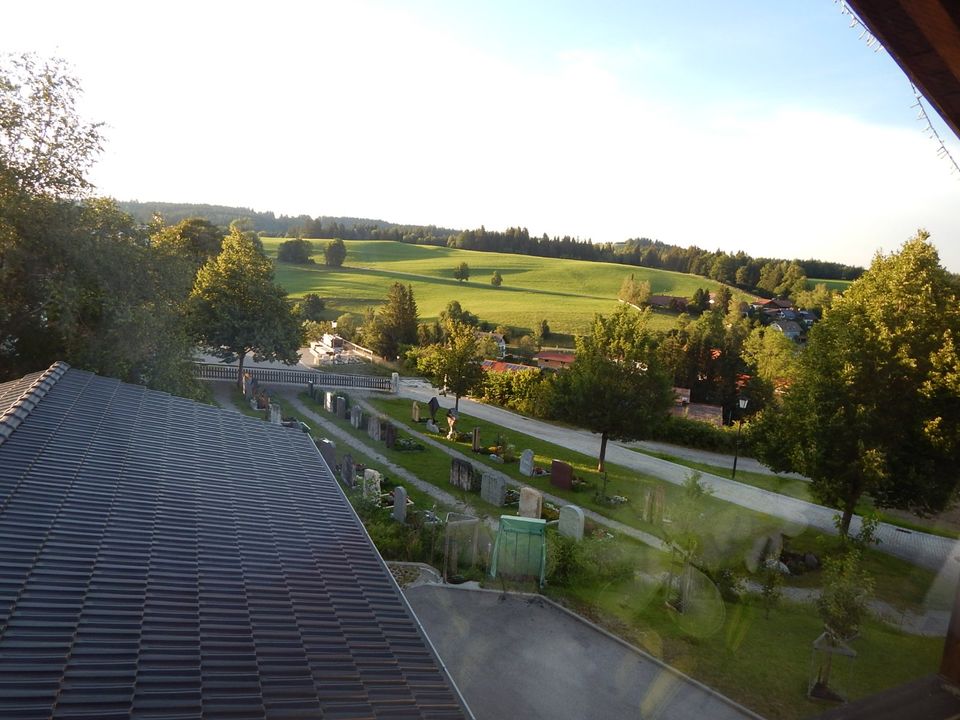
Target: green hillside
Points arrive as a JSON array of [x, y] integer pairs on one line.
[[566, 292], [840, 285]]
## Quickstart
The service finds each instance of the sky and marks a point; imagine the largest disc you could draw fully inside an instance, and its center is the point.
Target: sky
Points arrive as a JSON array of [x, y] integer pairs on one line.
[[770, 128]]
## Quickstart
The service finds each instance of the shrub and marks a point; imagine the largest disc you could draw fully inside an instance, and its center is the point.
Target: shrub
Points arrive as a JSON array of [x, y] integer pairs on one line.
[[295, 251]]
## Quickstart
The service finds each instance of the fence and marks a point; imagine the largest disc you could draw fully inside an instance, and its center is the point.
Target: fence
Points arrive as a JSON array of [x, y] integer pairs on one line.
[[291, 376]]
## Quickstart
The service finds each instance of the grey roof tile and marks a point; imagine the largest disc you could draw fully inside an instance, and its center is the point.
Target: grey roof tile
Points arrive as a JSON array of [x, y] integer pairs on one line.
[[163, 558]]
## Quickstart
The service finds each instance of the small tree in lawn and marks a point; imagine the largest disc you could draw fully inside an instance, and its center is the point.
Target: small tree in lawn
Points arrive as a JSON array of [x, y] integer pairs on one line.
[[461, 272], [496, 280], [235, 308], [617, 385], [455, 364], [842, 605]]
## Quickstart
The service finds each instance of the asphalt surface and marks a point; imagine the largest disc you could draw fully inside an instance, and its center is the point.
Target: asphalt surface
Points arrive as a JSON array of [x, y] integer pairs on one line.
[[930, 551], [517, 656]]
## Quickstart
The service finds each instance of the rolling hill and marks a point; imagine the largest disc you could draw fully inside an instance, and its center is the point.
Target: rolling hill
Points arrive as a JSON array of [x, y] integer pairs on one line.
[[567, 293]]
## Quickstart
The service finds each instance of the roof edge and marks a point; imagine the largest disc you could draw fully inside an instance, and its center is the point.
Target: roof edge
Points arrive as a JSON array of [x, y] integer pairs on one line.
[[20, 409]]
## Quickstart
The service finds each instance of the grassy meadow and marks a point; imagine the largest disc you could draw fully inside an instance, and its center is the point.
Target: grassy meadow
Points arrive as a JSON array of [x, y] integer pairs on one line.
[[567, 293], [840, 285]]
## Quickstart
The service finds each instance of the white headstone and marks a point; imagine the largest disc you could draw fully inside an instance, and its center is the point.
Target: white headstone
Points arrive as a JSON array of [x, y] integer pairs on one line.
[[371, 484], [399, 504], [329, 401], [531, 503], [395, 383], [526, 463], [571, 522], [275, 415]]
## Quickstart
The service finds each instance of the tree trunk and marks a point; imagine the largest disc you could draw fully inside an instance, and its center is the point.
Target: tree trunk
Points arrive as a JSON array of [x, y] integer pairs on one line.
[[243, 356], [603, 451], [456, 403], [846, 517]]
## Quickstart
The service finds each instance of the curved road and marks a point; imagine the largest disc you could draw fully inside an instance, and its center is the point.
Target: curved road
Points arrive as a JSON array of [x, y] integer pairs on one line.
[[930, 551]]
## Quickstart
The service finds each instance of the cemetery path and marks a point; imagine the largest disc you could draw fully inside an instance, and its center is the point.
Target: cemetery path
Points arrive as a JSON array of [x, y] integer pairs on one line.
[[438, 494], [933, 552], [620, 527], [707, 457]]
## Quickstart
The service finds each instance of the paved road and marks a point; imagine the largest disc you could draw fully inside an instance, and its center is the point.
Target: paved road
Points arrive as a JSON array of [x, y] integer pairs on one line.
[[709, 458], [929, 551]]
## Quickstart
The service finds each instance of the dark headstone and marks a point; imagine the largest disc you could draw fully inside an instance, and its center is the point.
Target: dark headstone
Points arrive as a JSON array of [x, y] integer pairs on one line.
[[348, 472], [561, 475], [476, 439], [390, 435], [341, 407], [461, 474], [433, 406], [328, 451]]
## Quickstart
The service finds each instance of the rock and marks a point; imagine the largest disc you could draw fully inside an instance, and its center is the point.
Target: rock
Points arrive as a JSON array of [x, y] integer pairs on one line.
[[811, 561]]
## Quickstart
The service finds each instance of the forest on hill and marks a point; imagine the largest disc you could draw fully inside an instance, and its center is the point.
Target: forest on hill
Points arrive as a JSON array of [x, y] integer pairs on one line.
[[767, 277]]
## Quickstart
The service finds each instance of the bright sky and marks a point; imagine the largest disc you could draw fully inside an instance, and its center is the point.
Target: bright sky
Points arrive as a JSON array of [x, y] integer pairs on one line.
[[762, 126]]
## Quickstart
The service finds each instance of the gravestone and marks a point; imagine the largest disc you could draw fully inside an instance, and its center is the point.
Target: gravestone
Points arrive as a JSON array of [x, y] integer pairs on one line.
[[526, 463], [249, 385], [432, 427], [390, 435], [356, 417], [415, 412], [371, 484], [476, 439], [561, 475], [348, 473], [433, 406], [275, 415], [653, 500], [328, 450], [373, 428], [531, 503], [493, 489], [329, 400], [341, 407], [310, 389], [399, 504], [571, 522], [461, 474]]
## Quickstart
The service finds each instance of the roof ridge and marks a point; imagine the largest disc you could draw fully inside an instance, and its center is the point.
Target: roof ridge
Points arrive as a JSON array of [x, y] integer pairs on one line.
[[20, 409]]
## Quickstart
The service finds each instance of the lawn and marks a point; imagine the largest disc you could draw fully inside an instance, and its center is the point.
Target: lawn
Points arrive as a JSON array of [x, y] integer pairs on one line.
[[567, 293], [840, 285]]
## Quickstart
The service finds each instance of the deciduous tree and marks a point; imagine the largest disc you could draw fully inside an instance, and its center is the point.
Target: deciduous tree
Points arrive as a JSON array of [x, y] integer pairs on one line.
[[616, 386], [875, 407], [461, 272], [236, 309], [335, 253], [456, 363]]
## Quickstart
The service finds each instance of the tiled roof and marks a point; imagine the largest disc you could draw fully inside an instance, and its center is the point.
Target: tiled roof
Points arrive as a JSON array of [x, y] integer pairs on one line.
[[162, 558]]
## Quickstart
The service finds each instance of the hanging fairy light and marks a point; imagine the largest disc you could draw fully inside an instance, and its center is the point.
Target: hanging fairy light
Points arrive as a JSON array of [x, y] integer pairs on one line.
[[929, 130]]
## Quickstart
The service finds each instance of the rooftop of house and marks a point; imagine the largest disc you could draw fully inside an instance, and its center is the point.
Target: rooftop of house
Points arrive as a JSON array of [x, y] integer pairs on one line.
[[554, 356], [165, 557], [923, 37]]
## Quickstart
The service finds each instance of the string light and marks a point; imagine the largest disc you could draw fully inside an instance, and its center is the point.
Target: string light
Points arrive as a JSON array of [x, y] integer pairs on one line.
[[929, 130]]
